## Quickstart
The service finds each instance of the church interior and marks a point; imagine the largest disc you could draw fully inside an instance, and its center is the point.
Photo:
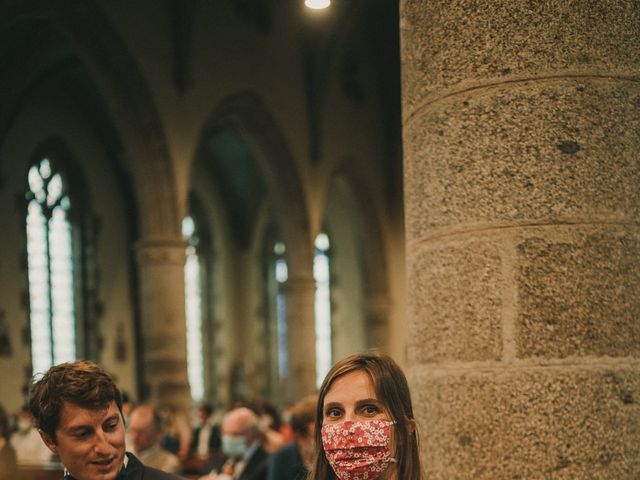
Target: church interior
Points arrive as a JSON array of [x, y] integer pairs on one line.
[[218, 199], [201, 158]]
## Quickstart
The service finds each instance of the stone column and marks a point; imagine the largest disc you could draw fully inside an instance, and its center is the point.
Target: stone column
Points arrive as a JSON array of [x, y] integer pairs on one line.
[[377, 308], [521, 125], [161, 273], [301, 336]]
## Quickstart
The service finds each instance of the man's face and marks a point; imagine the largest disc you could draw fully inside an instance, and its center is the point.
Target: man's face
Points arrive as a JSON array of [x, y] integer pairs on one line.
[[142, 431], [90, 443], [202, 415], [307, 444]]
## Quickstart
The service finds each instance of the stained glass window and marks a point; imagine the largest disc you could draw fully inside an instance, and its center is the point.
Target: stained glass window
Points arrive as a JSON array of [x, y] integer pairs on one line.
[[193, 303], [281, 275], [322, 275], [50, 268]]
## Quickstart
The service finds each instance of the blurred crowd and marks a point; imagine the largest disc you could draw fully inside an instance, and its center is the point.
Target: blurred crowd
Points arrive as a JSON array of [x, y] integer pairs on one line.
[[251, 441]]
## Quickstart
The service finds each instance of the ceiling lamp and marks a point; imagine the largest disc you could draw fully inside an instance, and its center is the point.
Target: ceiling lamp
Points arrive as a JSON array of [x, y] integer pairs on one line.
[[317, 4]]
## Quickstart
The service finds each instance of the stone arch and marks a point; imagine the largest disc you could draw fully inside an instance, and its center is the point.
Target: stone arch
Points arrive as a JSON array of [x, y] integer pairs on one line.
[[95, 50], [75, 43], [246, 115]]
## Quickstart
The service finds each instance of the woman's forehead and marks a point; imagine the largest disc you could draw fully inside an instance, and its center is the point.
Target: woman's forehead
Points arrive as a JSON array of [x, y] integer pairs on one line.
[[353, 386]]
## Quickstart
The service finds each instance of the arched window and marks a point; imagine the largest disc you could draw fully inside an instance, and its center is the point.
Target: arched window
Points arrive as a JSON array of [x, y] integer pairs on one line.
[[322, 275], [50, 255], [193, 281], [281, 274]]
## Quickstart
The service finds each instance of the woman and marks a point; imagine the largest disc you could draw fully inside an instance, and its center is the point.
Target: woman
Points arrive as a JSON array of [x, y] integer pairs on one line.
[[365, 427]]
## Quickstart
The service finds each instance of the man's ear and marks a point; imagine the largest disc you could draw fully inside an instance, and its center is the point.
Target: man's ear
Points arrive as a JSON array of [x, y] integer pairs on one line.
[[48, 441]]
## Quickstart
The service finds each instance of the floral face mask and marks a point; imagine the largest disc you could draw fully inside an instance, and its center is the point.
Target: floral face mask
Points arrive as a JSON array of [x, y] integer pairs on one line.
[[358, 450]]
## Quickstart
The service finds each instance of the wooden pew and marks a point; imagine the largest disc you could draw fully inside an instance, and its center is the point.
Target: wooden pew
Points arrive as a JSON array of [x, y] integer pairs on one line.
[[52, 471]]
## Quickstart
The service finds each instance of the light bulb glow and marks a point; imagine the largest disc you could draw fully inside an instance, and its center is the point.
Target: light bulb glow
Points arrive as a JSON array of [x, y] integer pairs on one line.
[[317, 4]]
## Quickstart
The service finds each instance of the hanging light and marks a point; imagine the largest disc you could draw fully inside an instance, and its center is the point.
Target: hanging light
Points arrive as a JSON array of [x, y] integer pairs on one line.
[[317, 4]]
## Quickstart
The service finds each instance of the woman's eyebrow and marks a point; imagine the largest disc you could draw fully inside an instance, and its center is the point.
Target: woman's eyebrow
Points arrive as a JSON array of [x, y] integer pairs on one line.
[[368, 401], [331, 405]]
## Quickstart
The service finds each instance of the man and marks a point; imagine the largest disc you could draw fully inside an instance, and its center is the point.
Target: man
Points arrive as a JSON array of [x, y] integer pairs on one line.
[[241, 443], [145, 432], [293, 461], [206, 436], [77, 408]]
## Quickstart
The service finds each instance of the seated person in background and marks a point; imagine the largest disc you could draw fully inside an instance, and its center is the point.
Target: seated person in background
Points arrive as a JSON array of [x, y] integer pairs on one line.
[[177, 433], [127, 406], [7, 454], [145, 432], [293, 461], [205, 439], [270, 426], [77, 408], [27, 443], [246, 459]]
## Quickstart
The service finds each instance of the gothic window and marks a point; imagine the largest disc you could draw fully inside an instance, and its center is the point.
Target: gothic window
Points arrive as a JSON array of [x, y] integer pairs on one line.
[[322, 275], [193, 282], [50, 260], [281, 275]]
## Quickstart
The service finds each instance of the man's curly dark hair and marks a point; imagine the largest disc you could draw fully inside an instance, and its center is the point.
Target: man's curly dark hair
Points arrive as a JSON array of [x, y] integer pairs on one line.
[[81, 383]]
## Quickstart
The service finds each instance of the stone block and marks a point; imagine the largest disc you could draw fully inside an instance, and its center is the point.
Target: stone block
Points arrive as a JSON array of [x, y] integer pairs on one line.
[[460, 45], [455, 302], [534, 424], [562, 151], [578, 292]]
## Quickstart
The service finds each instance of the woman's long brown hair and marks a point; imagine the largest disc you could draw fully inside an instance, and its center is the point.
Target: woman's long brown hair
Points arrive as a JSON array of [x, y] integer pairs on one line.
[[392, 389]]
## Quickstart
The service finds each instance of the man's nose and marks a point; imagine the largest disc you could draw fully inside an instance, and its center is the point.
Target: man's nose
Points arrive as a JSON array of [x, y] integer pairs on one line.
[[102, 445]]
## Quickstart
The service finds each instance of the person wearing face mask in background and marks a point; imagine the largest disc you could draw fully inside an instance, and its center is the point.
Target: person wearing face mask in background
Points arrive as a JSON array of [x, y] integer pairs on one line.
[[365, 428], [30, 451], [246, 458]]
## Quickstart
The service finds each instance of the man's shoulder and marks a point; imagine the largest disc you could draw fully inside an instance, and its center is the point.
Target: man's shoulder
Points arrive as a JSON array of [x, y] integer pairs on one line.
[[137, 470], [151, 473], [286, 451]]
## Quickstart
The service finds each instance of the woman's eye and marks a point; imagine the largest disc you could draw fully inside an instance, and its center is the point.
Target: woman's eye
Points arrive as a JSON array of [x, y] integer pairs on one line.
[[370, 409], [333, 413]]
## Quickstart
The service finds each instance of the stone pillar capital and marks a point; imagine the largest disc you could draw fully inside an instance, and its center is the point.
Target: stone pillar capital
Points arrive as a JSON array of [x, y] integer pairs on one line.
[[160, 251]]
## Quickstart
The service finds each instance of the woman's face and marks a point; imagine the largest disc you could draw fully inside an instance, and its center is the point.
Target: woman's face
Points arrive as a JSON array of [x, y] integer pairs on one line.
[[352, 397]]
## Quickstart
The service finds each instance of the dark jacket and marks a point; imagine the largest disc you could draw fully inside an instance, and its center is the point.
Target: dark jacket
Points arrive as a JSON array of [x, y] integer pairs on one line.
[[137, 471], [287, 464], [256, 467]]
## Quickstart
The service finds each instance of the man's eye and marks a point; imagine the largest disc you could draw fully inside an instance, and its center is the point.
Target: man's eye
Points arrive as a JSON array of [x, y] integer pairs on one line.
[[111, 426], [81, 434]]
